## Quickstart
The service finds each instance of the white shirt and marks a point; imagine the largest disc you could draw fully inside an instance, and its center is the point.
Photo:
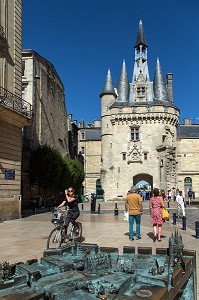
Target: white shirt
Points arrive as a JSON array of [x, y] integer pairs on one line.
[[179, 199]]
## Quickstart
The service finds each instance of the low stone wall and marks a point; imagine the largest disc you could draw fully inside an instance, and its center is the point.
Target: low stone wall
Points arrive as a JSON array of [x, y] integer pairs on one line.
[[10, 208]]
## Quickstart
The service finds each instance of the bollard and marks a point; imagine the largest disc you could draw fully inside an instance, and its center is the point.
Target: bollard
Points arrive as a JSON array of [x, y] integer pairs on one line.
[[197, 229], [82, 206], [174, 218], [98, 210], [116, 210], [184, 223]]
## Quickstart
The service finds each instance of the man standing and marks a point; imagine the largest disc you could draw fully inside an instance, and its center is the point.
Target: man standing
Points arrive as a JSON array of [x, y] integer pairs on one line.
[[143, 195], [133, 204], [180, 202], [190, 195]]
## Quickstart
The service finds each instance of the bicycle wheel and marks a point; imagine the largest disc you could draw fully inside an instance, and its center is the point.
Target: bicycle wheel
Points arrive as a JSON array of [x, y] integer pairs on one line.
[[77, 232], [55, 238]]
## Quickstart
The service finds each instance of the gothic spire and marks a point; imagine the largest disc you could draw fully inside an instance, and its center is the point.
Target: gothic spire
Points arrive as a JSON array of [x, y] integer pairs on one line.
[[108, 86], [140, 37], [123, 85], [159, 85]]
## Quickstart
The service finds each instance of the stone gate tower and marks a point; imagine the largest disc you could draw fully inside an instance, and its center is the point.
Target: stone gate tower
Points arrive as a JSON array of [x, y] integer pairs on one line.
[[139, 121]]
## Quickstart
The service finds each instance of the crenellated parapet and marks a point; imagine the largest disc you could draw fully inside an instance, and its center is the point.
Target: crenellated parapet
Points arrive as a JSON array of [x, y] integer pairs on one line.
[[147, 118]]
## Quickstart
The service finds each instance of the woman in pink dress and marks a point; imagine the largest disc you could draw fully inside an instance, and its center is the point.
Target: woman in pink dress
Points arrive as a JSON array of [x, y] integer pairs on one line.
[[156, 205]]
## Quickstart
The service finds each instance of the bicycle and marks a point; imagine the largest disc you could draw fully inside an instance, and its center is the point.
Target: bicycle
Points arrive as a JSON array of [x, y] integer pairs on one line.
[[57, 236]]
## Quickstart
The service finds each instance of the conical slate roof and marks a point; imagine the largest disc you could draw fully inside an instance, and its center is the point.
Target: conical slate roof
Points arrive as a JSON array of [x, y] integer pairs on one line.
[[123, 85], [108, 86], [159, 85], [140, 37]]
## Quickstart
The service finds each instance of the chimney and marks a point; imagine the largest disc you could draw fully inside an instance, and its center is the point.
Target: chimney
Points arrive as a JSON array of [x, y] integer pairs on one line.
[[187, 121], [170, 85], [97, 123]]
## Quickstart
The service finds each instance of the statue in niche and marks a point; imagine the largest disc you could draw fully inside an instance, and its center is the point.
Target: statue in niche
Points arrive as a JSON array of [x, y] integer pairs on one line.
[[169, 138]]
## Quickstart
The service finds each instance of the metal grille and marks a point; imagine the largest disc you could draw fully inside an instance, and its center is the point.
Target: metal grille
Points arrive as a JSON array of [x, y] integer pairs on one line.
[[15, 103]]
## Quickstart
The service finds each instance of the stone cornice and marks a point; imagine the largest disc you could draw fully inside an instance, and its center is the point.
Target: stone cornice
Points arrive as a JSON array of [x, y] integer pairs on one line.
[[144, 118]]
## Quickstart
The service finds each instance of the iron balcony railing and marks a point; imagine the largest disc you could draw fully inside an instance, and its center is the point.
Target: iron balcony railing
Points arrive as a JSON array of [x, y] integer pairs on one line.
[[15, 103], [2, 31]]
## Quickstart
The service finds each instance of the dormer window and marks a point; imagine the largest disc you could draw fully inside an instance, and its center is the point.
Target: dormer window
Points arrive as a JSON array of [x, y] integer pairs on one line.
[[141, 91]]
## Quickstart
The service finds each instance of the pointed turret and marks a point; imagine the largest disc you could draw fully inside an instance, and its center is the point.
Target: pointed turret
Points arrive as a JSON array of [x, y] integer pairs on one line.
[[140, 37], [123, 85], [108, 86], [159, 85]]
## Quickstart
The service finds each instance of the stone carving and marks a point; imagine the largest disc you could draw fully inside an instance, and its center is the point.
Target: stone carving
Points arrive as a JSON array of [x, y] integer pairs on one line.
[[134, 155]]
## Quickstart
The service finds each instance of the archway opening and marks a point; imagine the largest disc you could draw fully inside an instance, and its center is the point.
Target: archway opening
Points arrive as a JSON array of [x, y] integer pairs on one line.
[[145, 184]]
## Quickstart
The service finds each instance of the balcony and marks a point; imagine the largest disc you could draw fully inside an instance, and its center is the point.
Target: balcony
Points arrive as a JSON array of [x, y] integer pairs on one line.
[[15, 103], [3, 41], [2, 31]]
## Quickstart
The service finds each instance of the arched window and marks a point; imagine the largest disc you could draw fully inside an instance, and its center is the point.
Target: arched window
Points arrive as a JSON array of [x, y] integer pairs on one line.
[[187, 185]]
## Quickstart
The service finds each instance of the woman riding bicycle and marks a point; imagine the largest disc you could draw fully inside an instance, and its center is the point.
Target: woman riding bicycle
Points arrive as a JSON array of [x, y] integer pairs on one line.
[[73, 210]]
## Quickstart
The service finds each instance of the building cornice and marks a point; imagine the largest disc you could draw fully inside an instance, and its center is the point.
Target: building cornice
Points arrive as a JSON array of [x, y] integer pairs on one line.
[[139, 118]]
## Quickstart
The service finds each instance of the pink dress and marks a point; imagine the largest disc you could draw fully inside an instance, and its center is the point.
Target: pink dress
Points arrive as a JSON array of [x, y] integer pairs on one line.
[[156, 211]]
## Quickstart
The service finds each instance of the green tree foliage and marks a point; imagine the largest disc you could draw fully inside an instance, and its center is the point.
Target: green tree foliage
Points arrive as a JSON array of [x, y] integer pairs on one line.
[[76, 173], [54, 173]]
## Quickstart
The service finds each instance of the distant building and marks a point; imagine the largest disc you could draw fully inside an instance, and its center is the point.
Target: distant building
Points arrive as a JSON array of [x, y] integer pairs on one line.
[[89, 146], [15, 113], [42, 87]]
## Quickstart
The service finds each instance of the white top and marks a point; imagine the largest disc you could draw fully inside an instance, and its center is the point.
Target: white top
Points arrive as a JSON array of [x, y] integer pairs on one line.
[[179, 199]]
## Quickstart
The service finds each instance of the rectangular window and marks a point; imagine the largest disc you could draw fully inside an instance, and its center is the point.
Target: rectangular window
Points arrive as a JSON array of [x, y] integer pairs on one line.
[[82, 135], [145, 156], [135, 134], [23, 68], [124, 156], [82, 150]]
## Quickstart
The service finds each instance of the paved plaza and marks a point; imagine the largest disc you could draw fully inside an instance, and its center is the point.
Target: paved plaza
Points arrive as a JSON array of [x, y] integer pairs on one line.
[[26, 238]]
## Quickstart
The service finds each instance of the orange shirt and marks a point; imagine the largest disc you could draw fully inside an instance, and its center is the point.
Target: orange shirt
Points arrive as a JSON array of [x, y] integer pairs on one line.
[[133, 203]]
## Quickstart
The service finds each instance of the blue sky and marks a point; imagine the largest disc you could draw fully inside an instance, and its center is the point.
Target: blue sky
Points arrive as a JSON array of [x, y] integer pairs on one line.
[[83, 38]]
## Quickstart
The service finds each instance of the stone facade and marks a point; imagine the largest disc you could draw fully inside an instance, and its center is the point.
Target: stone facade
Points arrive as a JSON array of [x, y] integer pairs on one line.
[[89, 145], [42, 87], [141, 138], [14, 112]]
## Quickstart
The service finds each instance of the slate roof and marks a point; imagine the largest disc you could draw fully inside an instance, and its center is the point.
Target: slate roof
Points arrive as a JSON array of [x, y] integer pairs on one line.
[[91, 134], [188, 131]]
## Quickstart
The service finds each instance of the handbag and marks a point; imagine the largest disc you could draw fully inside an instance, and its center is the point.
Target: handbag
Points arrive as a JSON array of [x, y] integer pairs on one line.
[[126, 215], [165, 214]]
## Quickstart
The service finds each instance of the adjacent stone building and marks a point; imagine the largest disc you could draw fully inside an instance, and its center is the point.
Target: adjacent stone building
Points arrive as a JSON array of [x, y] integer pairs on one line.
[[141, 138], [42, 87], [15, 113], [89, 145]]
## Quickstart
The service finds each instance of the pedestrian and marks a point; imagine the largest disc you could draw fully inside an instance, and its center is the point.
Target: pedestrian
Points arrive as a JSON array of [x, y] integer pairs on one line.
[[156, 205], [73, 210], [143, 195], [190, 195], [133, 204], [163, 194], [169, 195], [180, 203]]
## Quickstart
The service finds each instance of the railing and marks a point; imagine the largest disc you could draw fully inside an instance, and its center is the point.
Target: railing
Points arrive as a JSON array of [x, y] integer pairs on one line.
[[15, 103], [2, 31]]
